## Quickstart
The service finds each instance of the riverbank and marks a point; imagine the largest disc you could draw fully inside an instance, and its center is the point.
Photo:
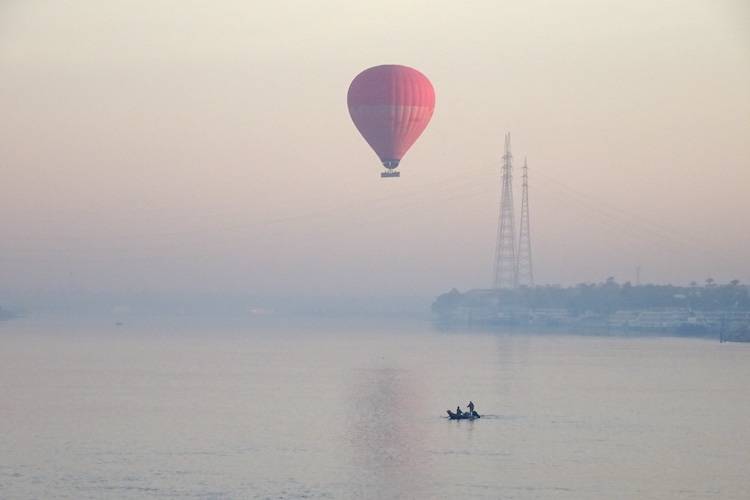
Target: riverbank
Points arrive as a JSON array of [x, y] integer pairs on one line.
[[606, 308]]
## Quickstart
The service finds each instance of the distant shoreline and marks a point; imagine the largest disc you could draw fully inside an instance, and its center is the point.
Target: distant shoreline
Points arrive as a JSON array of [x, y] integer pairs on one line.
[[721, 312]]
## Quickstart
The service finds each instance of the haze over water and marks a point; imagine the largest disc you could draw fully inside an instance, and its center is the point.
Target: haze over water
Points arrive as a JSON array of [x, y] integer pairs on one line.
[[336, 409], [183, 196]]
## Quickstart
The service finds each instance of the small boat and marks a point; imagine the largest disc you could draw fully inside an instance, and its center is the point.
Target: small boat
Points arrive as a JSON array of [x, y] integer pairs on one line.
[[463, 416]]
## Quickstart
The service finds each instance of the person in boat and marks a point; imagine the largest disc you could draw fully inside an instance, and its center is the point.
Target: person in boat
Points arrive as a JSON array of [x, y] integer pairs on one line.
[[458, 411], [471, 407]]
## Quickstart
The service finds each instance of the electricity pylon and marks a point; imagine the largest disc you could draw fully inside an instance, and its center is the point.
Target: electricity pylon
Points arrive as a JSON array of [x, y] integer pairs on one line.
[[525, 271], [506, 271]]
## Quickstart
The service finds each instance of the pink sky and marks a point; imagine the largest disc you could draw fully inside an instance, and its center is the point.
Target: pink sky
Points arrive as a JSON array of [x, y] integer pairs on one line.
[[175, 145]]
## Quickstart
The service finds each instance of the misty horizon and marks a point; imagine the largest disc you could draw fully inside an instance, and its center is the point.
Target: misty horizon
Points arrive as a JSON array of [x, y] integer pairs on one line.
[[276, 249]]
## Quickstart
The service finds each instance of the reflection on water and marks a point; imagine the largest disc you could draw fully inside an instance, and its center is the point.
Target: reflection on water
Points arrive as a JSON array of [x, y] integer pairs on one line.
[[358, 411], [387, 449]]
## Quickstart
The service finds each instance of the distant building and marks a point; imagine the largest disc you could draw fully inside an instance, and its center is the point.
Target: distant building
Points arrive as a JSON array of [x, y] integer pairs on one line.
[[718, 311]]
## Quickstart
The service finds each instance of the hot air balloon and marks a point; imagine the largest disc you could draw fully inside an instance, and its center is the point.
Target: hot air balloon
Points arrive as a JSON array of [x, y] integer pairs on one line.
[[391, 106]]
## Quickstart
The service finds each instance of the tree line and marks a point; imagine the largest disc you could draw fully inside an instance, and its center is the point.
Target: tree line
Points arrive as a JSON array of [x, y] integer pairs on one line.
[[606, 297]]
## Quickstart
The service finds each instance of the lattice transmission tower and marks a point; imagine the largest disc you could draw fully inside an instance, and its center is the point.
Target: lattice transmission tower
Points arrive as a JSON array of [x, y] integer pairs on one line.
[[525, 270], [506, 271]]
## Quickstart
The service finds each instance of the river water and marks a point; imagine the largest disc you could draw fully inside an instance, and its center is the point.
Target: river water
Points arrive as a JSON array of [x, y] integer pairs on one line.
[[352, 409]]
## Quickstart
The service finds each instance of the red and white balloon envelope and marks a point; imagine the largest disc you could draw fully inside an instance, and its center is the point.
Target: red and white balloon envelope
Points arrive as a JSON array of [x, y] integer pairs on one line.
[[391, 106]]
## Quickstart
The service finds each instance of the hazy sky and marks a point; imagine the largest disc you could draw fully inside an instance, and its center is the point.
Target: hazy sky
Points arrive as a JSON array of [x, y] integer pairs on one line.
[[206, 146]]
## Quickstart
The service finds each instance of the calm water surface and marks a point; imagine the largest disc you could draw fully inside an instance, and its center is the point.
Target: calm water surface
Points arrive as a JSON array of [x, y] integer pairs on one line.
[[355, 410]]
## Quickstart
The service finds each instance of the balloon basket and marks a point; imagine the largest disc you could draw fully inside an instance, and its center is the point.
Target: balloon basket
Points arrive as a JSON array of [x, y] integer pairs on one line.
[[390, 174]]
